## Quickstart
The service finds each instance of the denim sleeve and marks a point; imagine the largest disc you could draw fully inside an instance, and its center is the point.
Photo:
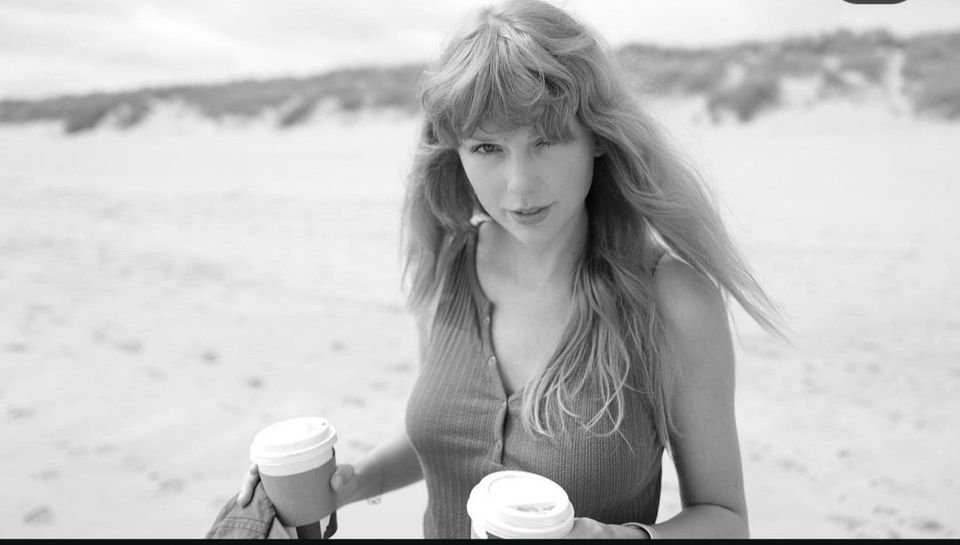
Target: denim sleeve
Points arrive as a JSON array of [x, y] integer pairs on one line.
[[254, 521]]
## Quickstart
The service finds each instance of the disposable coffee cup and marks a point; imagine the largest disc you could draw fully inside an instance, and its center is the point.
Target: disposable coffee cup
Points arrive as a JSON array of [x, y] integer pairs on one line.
[[296, 460], [518, 504]]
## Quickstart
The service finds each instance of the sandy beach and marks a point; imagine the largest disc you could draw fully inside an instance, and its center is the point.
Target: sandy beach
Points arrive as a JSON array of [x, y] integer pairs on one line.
[[167, 291]]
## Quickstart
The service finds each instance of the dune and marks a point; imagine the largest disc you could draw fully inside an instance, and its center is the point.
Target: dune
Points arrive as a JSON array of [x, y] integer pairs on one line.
[[167, 291]]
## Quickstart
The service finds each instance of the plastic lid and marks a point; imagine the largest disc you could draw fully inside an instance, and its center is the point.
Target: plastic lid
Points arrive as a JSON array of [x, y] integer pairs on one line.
[[292, 441], [520, 504]]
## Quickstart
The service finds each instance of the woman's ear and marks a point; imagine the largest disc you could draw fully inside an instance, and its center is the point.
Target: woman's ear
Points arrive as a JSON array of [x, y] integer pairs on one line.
[[599, 146]]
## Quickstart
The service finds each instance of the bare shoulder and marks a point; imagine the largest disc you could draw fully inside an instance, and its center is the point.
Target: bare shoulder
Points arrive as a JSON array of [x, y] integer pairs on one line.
[[691, 306], [684, 295]]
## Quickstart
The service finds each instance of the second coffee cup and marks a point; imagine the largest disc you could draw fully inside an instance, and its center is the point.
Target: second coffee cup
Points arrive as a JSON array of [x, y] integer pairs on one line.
[[519, 504], [296, 460]]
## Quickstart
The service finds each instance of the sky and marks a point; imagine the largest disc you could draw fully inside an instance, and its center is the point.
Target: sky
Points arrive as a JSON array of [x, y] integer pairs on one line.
[[51, 47]]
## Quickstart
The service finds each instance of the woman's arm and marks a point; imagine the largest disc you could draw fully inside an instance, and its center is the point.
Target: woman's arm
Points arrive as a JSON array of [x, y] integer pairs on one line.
[[391, 465], [705, 445], [706, 449]]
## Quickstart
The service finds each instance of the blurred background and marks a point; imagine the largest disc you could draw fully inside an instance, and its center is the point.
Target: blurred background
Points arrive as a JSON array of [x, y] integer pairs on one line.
[[199, 228]]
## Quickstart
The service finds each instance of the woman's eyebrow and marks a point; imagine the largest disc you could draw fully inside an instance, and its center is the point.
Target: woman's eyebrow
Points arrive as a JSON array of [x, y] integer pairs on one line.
[[481, 135], [483, 132]]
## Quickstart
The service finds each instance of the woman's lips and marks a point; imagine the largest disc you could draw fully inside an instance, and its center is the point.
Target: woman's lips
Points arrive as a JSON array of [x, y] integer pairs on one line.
[[530, 216]]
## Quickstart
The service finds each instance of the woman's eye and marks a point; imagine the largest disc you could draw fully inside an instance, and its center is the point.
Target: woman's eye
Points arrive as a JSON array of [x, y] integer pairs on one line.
[[547, 143], [484, 149]]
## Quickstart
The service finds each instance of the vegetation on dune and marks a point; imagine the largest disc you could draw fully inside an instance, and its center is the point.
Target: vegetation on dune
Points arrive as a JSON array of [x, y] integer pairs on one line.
[[740, 81], [932, 73]]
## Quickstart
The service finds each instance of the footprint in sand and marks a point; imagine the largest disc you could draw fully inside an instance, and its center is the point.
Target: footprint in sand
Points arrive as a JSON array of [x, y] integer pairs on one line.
[[254, 383], [132, 346], [792, 465], [893, 486], [379, 385], [17, 348], [849, 523], [154, 373], [18, 413], [105, 448], [134, 463], [40, 515], [885, 510], [170, 485], [401, 367], [337, 346], [209, 357], [810, 386], [46, 475], [353, 401], [929, 526]]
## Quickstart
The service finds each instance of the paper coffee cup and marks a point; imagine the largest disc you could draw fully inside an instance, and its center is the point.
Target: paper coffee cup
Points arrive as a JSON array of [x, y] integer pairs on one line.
[[518, 504], [296, 460]]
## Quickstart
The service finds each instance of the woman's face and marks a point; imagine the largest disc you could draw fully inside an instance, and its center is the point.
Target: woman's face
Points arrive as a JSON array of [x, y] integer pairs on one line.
[[532, 187]]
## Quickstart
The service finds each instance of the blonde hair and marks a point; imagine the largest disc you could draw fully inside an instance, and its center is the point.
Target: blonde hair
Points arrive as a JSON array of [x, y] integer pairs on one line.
[[532, 64]]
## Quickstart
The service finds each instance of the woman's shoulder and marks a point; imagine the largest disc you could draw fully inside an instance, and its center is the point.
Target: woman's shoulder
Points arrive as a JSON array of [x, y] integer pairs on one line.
[[687, 300]]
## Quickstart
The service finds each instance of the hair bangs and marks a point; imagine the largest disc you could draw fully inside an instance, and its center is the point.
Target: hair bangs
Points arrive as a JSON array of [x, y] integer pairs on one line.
[[501, 80]]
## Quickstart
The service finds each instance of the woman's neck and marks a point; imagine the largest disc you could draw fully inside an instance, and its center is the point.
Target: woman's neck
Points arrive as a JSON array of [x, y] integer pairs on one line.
[[549, 263]]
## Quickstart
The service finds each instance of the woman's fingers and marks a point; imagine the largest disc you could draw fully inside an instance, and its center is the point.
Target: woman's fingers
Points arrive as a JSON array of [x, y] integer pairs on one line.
[[342, 478], [247, 485], [342, 482]]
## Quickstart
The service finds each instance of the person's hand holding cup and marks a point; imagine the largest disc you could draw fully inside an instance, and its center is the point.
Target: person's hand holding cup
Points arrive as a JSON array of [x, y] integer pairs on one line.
[[295, 461], [519, 504], [343, 482]]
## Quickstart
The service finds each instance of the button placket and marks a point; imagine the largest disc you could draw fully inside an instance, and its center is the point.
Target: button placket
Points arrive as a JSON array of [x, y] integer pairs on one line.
[[498, 428], [500, 420], [488, 342]]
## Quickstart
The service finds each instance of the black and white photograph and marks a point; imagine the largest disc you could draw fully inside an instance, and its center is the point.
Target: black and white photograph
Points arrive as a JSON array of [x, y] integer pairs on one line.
[[451, 269]]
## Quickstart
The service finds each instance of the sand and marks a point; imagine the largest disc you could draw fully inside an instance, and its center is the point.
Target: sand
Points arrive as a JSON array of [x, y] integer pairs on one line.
[[167, 291]]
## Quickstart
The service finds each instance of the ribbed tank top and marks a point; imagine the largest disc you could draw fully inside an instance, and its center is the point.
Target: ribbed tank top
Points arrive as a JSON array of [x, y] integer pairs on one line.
[[463, 426]]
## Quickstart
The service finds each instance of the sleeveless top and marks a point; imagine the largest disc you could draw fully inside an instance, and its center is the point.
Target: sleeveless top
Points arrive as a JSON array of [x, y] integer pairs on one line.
[[464, 427]]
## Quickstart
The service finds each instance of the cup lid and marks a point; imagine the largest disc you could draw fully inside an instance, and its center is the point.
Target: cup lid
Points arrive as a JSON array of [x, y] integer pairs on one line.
[[520, 504], [293, 440]]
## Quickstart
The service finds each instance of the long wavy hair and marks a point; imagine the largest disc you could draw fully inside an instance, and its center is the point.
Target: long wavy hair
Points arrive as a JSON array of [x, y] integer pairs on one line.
[[534, 65]]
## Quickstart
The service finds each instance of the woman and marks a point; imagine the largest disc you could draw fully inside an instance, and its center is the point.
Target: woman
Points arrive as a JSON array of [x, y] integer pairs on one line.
[[568, 275]]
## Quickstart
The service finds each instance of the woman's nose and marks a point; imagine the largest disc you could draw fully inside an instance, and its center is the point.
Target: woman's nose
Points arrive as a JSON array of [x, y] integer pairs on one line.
[[521, 174]]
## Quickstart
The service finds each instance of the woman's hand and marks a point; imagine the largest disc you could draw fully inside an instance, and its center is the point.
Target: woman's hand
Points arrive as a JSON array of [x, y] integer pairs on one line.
[[343, 482], [584, 528], [247, 485]]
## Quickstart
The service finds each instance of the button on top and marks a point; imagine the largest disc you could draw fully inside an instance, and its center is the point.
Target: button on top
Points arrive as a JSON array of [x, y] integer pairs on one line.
[[492, 360], [486, 320]]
